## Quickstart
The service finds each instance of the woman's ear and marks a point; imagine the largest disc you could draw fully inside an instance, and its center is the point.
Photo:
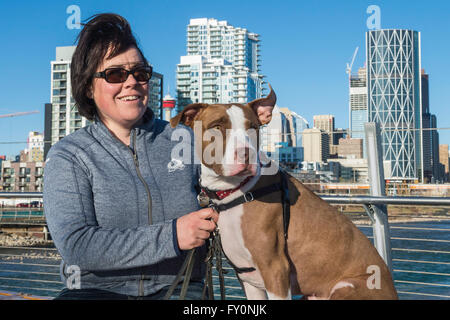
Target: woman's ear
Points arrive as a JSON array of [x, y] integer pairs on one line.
[[90, 93]]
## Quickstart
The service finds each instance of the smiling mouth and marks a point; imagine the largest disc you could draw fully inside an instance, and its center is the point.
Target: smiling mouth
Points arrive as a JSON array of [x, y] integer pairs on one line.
[[129, 98]]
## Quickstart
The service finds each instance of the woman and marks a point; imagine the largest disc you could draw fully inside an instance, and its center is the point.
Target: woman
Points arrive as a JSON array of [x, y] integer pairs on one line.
[[115, 212]]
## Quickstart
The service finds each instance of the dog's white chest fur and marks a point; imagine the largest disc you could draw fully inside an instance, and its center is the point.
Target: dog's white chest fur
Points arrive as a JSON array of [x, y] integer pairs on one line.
[[230, 225]]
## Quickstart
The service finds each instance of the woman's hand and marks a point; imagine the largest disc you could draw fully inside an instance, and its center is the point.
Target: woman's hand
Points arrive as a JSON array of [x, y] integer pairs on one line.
[[194, 228]]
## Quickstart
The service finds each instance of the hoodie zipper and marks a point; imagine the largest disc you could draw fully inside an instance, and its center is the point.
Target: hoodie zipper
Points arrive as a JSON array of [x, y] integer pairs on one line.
[[149, 199], [138, 171]]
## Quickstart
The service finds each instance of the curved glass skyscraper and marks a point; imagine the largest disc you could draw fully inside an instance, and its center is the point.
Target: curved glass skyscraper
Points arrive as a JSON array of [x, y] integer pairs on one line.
[[394, 99]]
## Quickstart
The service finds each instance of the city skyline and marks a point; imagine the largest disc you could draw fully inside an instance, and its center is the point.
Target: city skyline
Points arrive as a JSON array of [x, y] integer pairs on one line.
[[305, 48]]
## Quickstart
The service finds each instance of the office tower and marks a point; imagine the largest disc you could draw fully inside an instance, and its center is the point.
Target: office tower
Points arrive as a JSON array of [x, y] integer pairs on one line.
[[276, 132], [358, 105], [326, 123], [280, 137], [297, 125], [155, 96], [62, 116], [435, 163], [315, 145], [394, 99], [426, 133], [221, 66]]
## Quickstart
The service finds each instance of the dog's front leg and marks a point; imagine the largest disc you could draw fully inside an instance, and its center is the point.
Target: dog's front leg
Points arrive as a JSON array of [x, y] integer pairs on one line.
[[254, 293]]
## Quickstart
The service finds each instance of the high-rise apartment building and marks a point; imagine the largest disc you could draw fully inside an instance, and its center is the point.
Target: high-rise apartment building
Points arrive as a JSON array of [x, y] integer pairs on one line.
[[221, 65], [394, 98], [62, 116]]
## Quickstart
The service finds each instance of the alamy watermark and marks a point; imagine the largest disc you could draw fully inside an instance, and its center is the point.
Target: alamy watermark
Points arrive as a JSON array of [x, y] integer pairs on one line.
[[373, 22], [74, 20], [374, 280], [73, 281]]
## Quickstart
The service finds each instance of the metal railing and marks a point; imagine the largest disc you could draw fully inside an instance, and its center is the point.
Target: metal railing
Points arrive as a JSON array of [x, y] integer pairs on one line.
[[36, 270]]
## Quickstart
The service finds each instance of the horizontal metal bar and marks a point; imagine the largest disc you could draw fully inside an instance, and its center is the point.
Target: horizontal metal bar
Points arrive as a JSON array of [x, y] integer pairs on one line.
[[420, 261], [420, 250], [332, 199], [20, 194], [31, 272], [33, 280], [424, 294], [31, 264], [31, 288], [387, 200], [424, 283], [417, 239], [425, 229], [423, 272]]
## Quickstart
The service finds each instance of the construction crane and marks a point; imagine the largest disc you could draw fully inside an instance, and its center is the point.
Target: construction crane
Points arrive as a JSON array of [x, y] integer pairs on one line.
[[16, 114], [349, 66]]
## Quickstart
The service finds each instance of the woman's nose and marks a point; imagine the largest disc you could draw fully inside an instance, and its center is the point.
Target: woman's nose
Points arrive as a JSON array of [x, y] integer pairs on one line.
[[130, 81]]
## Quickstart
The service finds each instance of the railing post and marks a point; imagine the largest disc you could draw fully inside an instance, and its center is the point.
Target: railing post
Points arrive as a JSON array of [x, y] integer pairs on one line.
[[381, 234]]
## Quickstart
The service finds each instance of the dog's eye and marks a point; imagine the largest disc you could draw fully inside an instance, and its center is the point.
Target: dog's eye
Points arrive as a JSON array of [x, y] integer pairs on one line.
[[216, 126]]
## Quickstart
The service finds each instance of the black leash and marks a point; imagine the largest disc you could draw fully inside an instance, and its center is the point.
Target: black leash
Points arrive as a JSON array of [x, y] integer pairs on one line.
[[215, 250], [187, 266]]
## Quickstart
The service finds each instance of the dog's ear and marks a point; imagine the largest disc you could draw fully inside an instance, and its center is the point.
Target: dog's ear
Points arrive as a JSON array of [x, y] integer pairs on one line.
[[263, 107], [188, 114]]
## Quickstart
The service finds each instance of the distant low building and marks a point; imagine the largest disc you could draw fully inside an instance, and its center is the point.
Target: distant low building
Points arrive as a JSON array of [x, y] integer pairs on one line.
[[352, 170], [22, 176], [350, 148], [444, 161]]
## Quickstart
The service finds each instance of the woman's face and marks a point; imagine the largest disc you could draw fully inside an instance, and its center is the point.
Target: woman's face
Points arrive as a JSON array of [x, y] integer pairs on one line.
[[121, 104]]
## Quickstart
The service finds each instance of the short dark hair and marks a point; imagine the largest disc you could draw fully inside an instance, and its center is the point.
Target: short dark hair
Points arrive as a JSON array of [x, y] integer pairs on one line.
[[102, 32]]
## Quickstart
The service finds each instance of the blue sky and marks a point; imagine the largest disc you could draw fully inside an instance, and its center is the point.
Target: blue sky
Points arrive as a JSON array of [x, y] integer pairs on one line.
[[305, 48]]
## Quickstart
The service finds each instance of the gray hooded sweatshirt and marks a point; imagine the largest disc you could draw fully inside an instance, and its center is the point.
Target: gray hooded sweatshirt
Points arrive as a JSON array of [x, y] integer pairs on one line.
[[111, 209]]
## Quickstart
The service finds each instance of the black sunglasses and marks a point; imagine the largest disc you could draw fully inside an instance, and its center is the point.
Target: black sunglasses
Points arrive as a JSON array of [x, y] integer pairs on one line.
[[119, 75]]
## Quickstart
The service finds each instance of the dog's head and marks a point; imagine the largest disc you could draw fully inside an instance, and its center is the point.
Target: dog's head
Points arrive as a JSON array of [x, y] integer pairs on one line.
[[229, 133]]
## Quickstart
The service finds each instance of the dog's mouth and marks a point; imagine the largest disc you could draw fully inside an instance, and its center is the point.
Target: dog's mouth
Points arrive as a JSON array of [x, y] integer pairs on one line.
[[240, 170]]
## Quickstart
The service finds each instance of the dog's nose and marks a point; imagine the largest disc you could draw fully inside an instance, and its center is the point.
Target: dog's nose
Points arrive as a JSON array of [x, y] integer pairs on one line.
[[242, 155]]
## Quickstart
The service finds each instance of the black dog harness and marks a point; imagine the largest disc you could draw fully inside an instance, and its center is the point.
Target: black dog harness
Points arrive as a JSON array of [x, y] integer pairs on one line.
[[215, 248], [253, 195]]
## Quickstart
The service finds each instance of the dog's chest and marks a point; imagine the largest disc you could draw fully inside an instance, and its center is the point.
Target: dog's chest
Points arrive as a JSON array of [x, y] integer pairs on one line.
[[233, 244]]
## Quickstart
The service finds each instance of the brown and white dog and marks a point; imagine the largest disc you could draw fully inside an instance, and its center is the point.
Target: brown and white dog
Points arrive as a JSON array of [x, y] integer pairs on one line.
[[324, 256]]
